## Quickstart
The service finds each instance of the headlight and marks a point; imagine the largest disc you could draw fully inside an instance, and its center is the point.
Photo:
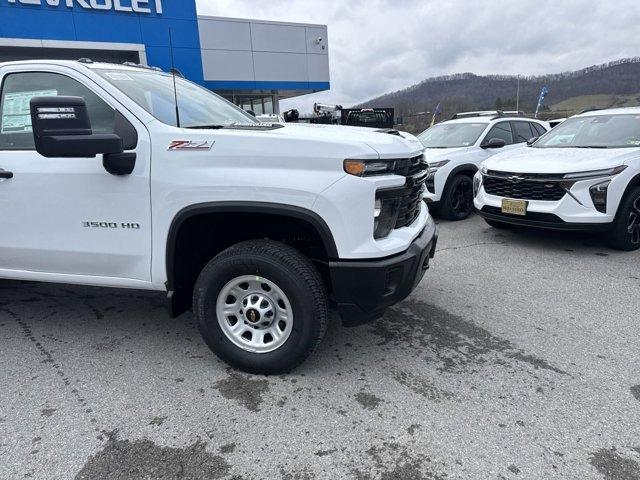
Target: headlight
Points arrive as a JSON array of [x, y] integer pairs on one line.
[[365, 168], [599, 195], [609, 172], [477, 183], [377, 208], [386, 209], [434, 166]]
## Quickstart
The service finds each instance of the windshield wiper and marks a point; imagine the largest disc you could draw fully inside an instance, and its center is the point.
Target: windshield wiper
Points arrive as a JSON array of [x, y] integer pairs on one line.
[[591, 146]]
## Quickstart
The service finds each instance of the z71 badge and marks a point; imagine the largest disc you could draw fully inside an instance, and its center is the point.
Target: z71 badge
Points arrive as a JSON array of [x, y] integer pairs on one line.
[[190, 145]]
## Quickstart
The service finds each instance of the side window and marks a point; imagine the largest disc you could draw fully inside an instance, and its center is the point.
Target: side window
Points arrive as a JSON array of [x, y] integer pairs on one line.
[[502, 131], [539, 129], [19, 88], [523, 132]]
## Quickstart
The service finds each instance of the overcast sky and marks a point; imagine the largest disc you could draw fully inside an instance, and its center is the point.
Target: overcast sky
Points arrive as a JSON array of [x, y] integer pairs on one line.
[[377, 46]]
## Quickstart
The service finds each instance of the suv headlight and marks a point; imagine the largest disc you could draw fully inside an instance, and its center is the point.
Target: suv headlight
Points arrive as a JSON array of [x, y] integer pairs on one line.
[[434, 166], [365, 168], [477, 183], [386, 209], [609, 172], [598, 194]]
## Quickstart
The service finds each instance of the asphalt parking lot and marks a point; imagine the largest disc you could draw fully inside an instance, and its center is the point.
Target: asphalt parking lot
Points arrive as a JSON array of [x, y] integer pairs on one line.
[[517, 357]]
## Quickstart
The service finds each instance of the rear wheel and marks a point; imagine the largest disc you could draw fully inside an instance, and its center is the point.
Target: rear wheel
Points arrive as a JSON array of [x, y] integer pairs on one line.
[[261, 306], [625, 232], [457, 200]]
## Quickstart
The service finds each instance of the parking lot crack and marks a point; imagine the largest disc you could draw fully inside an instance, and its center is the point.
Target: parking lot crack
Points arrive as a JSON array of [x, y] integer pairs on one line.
[[471, 245], [48, 356]]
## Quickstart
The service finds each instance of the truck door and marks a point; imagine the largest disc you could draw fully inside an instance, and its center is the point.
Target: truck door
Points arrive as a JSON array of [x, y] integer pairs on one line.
[[64, 219]]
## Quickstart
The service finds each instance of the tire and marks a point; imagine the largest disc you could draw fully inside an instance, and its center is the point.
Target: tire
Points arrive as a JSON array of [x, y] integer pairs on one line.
[[278, 279], [499, 225], [457, 200], [625, 231]]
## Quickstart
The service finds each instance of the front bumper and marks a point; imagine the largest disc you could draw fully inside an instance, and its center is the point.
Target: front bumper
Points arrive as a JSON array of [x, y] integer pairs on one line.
[[546, 221], [363, 289], [573, 211]]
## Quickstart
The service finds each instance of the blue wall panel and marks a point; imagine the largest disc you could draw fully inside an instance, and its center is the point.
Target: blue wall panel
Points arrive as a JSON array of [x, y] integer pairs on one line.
[[102, 27], [184, 33], [187, 60], [36, 23], [43, 22]]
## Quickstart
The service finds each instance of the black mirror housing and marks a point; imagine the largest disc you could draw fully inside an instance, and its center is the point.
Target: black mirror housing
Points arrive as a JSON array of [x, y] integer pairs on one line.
[[61, 128], [494, 143]]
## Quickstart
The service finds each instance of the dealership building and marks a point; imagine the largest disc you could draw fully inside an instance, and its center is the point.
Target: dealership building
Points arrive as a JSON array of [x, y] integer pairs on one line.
[[253, 63]]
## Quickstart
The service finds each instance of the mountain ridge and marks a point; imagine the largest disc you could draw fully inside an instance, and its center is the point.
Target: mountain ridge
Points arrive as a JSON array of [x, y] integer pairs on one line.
[[468, 91]]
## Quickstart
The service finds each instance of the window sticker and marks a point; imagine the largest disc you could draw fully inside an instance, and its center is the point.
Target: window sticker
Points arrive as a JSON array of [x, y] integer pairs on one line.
[[16, 115], [118, 76]]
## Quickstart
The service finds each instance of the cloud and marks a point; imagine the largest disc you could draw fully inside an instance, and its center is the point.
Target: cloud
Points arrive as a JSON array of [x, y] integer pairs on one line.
[[377, 46]]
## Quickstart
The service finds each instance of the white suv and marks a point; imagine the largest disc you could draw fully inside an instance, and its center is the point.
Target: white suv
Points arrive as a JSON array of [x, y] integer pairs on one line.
[[456, 148], [583, 175]]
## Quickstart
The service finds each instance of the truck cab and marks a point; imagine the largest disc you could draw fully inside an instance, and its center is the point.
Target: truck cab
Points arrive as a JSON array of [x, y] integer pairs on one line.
[[126, 176]]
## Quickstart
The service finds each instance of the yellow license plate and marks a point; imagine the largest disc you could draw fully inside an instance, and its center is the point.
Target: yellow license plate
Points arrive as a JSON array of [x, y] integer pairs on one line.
[[514, 207]]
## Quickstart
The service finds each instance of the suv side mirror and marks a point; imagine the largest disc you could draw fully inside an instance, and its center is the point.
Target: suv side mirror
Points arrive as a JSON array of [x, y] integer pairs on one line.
[[494, 143], [532, 140], [61, 128]]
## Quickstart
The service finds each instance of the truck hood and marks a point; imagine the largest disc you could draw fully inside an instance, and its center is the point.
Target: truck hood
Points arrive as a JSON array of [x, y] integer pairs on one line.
[[387, 145], [559, 160]]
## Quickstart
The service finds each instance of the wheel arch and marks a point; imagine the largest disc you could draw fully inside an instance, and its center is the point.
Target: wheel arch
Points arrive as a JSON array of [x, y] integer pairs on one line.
[[633, 183], [466, 169], [307, 220]]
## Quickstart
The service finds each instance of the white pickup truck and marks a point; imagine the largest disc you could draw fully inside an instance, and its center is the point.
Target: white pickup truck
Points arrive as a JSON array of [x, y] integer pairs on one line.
[[125, 176]]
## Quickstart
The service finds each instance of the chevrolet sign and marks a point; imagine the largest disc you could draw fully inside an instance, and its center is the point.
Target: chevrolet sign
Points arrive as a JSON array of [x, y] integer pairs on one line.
[[137, 6]]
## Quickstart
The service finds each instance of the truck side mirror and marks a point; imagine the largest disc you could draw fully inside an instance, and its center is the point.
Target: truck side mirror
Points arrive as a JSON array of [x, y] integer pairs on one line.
[[61, 128], [494, 143]]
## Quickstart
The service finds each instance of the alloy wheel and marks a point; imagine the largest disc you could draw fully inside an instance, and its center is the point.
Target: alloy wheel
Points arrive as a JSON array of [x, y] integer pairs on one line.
[[633, 225], [254, 314], [462, 199]]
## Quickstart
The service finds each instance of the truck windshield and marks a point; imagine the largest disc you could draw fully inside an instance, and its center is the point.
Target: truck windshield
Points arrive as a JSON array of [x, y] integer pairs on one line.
[[596, 131], [452, 135], [153, 91]]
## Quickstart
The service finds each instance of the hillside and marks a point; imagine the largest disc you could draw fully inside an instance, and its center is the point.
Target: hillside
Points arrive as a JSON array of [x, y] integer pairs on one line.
[[614, 83], [582, 102]]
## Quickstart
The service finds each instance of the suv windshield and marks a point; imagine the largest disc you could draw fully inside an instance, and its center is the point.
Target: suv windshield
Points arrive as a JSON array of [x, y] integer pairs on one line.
[[596, 131], [451, 135], [153, 91]]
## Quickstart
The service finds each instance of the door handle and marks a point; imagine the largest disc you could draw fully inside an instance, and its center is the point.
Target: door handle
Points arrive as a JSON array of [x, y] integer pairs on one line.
[[5, 175]]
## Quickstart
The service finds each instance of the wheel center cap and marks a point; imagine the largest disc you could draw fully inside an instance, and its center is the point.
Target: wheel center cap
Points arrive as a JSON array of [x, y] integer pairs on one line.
[[252, 315]]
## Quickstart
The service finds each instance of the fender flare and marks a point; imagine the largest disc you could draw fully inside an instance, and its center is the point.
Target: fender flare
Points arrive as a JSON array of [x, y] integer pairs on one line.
[[460, 168], [299, 213]]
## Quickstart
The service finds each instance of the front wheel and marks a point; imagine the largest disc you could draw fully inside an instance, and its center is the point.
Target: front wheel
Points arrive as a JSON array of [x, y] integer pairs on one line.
[[261, 306], [625, 231], [457, 200]]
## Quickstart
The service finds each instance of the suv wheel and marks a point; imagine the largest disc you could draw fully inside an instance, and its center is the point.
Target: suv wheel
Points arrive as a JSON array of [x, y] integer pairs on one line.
[[457, 201], [261, 306], [625, 232]]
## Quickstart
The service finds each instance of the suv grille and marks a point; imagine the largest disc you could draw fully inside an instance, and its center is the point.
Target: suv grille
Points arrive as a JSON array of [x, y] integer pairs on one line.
[[416, 170], [524, 186]]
